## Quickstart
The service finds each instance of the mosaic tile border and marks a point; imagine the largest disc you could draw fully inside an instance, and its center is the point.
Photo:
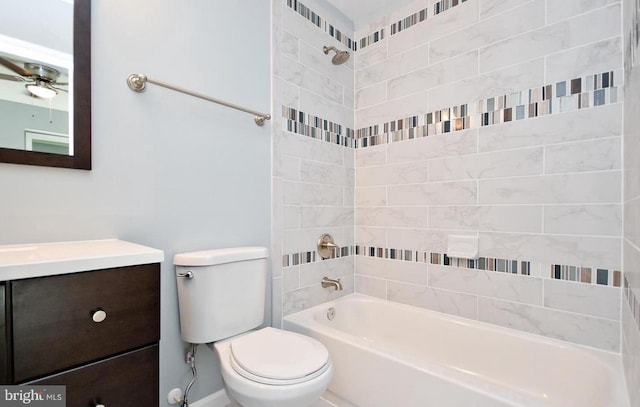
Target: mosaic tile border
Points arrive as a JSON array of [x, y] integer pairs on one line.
[[322, 23], [409, 21], [578, 274], [445, 5], [632, 300], [316, 127], [296, 259], [565, 96]]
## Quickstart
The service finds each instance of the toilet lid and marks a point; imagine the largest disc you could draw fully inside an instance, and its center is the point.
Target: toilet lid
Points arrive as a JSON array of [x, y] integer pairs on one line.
[[274, 356]]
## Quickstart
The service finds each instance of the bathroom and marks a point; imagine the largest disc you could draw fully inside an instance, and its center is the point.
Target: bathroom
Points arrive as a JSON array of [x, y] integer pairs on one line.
[[178, 174]]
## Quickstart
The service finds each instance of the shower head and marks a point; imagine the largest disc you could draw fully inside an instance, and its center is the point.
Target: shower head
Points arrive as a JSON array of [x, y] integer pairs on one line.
[[339, 58]]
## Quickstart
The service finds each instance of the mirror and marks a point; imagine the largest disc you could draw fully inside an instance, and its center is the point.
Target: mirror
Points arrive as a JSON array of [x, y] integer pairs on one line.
[[56, 132]]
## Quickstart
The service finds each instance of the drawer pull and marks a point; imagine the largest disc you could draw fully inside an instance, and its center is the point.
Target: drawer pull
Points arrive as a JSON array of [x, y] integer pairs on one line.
[[99, 316]]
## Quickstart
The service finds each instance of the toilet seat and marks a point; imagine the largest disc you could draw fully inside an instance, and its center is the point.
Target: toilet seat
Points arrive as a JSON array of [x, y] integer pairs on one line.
[[275, 357]]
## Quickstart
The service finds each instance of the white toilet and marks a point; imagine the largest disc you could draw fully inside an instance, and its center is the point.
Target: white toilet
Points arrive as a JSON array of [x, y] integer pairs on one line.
[[222, 296]]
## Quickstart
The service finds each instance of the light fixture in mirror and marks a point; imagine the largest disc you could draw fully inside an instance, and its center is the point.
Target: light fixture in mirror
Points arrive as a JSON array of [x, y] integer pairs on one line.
[[46, 83]]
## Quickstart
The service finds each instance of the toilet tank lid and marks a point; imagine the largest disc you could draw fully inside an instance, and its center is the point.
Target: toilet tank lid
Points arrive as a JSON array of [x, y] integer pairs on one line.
[[220, 256]]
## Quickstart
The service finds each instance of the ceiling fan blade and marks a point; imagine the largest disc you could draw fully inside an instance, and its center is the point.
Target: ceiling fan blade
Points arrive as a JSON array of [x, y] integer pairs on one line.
[[15, 78], [15, 68]]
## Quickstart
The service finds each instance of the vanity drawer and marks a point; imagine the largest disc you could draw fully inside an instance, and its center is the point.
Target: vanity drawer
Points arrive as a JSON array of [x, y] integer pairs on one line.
[[53, 317], [127, 380]]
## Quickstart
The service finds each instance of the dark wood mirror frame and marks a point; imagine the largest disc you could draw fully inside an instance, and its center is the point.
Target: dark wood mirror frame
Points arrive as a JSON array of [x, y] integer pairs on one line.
[[81, 102]]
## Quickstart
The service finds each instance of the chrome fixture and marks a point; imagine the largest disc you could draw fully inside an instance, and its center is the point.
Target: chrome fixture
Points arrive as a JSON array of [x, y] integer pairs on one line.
[[188, 275], [339, 58], [326, 247], [138, 83], [331, 313], [327, 282]]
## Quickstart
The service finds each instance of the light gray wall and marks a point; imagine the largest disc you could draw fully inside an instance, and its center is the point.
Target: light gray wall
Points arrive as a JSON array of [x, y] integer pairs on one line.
[[169, 171], [17, 117]]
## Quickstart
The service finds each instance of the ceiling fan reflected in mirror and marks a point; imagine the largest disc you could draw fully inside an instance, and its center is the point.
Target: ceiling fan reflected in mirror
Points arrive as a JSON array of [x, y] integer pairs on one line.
[[41, 80]]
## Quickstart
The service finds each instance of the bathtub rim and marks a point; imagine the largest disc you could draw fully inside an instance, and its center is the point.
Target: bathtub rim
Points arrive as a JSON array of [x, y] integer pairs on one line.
[[611, 361]]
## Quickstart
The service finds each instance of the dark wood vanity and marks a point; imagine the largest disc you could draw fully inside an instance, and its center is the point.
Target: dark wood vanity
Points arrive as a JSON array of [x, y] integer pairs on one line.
[[96, 332]]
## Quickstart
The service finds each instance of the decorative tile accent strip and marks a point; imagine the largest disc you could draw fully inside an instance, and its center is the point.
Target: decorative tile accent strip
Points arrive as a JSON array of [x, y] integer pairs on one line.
[[371, 39], [632, 300], [322, 23], [317, 127], [419, 256], [586, 275], [565, 96], [296, 259], [438, 122], [409, 21], [570, 273], [562, 97], [445, 5]]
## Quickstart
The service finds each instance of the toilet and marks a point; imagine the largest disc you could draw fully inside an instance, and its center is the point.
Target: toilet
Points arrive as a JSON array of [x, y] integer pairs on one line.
[[221, 295]]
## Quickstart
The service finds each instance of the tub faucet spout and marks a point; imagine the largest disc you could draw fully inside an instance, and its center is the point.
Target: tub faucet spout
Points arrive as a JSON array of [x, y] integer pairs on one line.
[[327, 282]]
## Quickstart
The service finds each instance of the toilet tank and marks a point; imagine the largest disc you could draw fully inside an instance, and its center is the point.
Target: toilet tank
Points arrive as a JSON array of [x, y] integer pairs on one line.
[[225, 295]]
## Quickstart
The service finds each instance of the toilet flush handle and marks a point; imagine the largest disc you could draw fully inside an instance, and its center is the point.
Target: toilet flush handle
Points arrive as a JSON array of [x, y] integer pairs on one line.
[[188, 275]]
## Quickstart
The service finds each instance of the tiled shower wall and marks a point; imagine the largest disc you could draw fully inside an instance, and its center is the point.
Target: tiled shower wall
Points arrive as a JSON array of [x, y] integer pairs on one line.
[[313, 174], [501, 120], [631, 303], [496, 119]]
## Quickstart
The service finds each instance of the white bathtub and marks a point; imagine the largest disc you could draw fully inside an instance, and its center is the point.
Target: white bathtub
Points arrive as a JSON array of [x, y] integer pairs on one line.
[[387, 355]]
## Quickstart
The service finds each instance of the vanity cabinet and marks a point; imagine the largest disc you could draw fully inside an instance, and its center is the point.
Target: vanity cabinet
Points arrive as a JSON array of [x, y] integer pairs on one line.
[[96, 332]]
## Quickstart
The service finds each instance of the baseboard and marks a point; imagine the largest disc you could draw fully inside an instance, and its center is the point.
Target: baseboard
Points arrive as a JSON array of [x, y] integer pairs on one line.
[[217, 399]]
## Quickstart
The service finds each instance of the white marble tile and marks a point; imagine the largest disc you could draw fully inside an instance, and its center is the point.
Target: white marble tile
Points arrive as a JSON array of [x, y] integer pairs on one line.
[[452, 20], [489, 8], [587, 251], [373, 287], [487, 165], [581, 329], [562, 10], [392, 217], [392, 270], [452, 70], [592, 187], [370, 55], [312, 103], [492, 284], [489, 30], [371, 196], [371, 156], [312, 273], [393, 110], [448, 302], [289, 44], [313, 295], [591, 299], [311, 149], [371, 236], [433, 193], [590, 59], [412, 59], [418, 239], [520, 218], [583, 29], [392, 174], [375, 73], [632, 221], [597, 122], [599, 220], [291, 217], [290, 278], [308, 79], [288, 168], [372, 95], [589, 155], [276, 302], [500, 82], [631, 260], [289, 93], [298, 193], [326, 216], [437, 146], [323, 173]]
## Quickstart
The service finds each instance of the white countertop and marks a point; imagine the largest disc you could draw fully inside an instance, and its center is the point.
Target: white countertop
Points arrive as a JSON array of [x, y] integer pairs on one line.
[[46, 259]]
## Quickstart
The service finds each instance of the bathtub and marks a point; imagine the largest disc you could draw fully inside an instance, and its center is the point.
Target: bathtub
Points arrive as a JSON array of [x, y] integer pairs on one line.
[[387, 354]]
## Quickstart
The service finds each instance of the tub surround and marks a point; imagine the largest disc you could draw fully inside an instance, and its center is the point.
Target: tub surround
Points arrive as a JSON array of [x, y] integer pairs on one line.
[[46, 259]]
